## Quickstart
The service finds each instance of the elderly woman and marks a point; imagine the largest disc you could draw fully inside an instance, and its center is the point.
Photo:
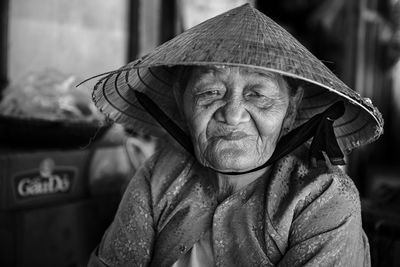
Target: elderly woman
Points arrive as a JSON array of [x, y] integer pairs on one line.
[[249, 177]]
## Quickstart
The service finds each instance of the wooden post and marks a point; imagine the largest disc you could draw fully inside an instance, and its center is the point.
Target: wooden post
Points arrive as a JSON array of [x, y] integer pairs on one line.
[[133, 30], [3, 44]]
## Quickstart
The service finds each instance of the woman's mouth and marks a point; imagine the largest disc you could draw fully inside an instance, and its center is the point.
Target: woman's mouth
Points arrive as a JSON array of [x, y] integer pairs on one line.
[[234, 136]]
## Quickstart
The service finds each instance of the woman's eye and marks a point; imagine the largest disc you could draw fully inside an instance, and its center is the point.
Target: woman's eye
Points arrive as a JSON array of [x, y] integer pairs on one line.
[[254, 94], [210, 93], [208, 96], [258, 98]]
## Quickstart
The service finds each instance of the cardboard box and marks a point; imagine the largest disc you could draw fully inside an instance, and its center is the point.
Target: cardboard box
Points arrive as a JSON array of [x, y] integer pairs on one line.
[[42, 178], [58, 235]]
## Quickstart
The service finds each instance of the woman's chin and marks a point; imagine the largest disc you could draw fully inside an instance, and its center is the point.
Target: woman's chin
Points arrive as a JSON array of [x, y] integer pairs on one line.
[[231, 159], [232, 164]]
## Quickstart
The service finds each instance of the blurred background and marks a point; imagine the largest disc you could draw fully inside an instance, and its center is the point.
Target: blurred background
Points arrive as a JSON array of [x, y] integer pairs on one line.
[[64, 167]]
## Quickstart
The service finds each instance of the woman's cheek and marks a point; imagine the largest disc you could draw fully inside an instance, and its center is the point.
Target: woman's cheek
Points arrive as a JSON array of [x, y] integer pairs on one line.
[[198, 128], [269, 126]]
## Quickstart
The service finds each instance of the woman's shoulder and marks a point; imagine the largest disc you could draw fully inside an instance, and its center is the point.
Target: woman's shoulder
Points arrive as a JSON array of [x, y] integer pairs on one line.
[[296, 185], [324, 177], [166, 165], [298, 192], [167, 156], [305, 176]]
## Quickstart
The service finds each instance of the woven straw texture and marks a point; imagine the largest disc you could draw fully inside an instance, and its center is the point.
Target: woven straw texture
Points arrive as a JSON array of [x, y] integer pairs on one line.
[[240, 37]]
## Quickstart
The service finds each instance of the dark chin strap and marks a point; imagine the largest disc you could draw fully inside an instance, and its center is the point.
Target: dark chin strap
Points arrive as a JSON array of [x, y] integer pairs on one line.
[[320, 127]]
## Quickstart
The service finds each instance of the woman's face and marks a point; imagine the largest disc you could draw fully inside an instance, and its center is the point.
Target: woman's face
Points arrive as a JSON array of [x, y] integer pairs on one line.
[[235, 115]]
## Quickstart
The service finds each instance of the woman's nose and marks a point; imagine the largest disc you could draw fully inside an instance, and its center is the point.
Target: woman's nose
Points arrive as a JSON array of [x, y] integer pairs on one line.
[[233, 112]]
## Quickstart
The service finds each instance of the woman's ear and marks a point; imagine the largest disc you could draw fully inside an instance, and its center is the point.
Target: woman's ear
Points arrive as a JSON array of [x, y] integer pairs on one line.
[[291, 113]]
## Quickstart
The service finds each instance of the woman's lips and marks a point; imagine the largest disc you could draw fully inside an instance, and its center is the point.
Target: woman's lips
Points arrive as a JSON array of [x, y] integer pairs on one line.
[[234, 136]]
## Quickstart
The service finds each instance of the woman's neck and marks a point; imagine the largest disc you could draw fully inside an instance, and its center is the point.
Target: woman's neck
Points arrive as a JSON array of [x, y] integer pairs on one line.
[[229, 184]]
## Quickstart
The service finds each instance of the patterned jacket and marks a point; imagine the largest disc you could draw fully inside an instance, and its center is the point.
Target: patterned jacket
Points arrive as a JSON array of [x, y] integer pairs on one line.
[[298, 216]]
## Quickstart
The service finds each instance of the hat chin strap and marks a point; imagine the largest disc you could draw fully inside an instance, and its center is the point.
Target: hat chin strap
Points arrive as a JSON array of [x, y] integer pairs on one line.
[[320, 127]]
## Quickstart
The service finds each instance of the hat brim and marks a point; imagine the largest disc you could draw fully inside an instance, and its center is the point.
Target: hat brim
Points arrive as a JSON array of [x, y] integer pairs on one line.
[[115, 97]]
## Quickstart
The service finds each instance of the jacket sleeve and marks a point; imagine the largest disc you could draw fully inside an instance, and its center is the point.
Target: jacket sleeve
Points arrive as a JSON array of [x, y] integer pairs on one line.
[[129, 239], [327, 231]]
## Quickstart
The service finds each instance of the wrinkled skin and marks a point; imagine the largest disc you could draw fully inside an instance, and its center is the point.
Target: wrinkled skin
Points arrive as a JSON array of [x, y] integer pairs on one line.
[[236, 115]]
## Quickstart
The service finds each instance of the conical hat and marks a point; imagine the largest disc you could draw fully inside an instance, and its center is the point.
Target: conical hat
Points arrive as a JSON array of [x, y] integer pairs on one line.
[[240, 37]]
